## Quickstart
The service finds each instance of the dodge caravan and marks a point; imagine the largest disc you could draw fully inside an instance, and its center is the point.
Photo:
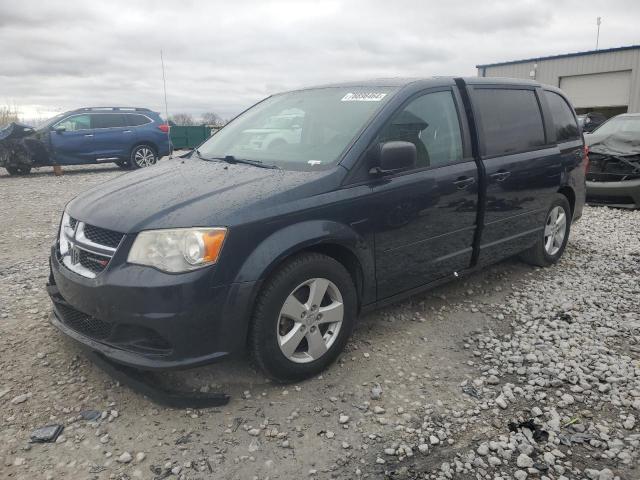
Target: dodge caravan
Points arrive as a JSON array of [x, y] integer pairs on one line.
[[387, 188]]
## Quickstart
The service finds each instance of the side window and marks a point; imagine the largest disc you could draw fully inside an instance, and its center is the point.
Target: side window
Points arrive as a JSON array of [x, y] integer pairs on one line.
[[510, 118], [135, 120], [106, 120], [431, 123], [564, 123], [77, 122]]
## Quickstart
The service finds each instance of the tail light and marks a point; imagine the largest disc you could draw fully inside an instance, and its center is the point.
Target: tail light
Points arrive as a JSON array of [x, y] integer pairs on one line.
[[164, 128], [585, 159]]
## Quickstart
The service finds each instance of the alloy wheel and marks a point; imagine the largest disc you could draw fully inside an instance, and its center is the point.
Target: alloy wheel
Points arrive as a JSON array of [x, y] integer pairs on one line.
[[144, 157], [555, 230], [310, 320]]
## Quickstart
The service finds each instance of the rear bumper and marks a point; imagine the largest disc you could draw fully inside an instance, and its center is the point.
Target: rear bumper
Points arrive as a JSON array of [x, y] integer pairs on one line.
[[152, 320], [625, 194]]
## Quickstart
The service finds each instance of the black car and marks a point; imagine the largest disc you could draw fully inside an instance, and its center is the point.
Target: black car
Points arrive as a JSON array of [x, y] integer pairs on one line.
[[390, 187]]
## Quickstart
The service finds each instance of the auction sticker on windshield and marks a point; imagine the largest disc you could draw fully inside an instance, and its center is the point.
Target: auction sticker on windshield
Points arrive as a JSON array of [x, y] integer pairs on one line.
[[363, 97]]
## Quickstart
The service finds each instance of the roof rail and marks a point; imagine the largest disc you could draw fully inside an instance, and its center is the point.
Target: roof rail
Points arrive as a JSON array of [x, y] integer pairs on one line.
[[112, 109]]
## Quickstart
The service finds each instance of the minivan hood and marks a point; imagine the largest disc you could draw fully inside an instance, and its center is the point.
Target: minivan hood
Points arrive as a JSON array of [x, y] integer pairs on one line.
[[192, 192]]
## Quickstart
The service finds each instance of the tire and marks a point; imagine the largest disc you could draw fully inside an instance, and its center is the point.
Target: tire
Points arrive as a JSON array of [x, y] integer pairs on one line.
[[18, 170], [319, 341], [142, 156], [549, 246]]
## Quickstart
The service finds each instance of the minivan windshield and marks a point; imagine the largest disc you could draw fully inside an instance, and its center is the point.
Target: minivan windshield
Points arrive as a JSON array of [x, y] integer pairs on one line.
[[621, 124], [300, 130]]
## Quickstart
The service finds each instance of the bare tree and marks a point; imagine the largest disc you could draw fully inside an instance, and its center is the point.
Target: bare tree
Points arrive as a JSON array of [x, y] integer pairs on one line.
[[212, 118], [7, 115], [182, 119]]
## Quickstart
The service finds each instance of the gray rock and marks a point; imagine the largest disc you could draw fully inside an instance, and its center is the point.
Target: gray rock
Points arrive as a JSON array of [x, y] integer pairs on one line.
[[520, 475], [125, 457], [524, 461], [21, 398]]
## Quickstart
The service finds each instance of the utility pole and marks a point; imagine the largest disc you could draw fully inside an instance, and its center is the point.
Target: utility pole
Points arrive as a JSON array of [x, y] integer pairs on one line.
[[598, 22], [166, 107]]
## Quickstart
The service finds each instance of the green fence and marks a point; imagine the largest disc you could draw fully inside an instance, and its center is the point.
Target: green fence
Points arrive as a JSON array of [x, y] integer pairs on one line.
[[189, 137]]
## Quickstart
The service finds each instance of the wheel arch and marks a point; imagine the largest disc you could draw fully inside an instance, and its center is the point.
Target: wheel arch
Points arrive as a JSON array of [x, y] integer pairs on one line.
[[568, 192], [333, 239]]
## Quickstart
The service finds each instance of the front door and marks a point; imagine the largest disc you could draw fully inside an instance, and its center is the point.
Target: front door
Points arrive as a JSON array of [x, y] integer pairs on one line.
[[424, 218], [74, 144]]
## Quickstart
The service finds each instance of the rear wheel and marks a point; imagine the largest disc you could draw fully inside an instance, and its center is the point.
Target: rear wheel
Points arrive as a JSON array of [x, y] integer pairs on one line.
[[22, 170], [142, 156], [303, 317], [553, 238]]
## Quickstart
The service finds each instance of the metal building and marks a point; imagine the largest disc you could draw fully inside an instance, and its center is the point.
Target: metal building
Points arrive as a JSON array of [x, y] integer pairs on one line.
[[606, 81]]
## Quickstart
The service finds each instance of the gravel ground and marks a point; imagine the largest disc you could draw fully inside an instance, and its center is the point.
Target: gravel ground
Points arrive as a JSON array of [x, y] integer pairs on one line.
[[513, 372]]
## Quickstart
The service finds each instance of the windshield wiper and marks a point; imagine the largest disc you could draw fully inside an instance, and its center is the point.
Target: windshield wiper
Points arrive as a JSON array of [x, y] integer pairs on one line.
[[232, 159]]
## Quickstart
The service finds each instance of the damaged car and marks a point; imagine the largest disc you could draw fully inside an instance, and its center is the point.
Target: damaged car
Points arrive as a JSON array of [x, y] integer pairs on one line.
[[613, 177], [21, 148], [129, 137]]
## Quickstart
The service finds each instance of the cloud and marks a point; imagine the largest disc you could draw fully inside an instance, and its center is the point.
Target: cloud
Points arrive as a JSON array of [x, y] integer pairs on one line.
[[223, 56]]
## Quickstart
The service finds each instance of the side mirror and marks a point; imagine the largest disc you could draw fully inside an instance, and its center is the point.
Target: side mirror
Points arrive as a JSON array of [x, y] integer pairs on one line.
[[60, 129], [395, 156]]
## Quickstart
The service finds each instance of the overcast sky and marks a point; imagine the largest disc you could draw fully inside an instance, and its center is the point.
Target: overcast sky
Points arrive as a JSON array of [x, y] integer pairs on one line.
[[224, 56]]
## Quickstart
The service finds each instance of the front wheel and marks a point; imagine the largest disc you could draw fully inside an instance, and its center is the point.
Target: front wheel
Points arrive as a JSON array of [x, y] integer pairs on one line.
[[18, 170], [303, 317], [552, 240], [142, 156]]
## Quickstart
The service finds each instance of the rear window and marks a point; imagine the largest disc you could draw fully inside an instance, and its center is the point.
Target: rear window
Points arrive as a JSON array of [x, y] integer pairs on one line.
[[134, 119], [564, 123], [106, 120], [510, 119]]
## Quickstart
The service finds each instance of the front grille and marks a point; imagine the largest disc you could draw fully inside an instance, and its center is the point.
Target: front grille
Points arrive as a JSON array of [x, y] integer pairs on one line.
[[93, 262], [609, 168], [83, 323], [88, 249], [103, 236]]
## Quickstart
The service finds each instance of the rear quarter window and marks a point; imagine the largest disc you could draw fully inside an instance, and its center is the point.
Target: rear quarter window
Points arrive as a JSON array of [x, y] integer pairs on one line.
[[564, 123], [510, 120], [135, 120]]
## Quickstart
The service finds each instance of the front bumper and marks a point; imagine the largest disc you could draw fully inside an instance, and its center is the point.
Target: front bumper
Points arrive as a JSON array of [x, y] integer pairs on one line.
[[140, 317], [624, 194]]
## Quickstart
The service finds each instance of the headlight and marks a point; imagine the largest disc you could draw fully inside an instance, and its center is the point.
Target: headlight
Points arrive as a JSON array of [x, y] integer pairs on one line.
[[65, 231], [179, 249]]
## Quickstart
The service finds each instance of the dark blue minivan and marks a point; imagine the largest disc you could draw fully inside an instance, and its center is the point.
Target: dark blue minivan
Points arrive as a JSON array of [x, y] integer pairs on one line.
[[130, 137], [381, 190]]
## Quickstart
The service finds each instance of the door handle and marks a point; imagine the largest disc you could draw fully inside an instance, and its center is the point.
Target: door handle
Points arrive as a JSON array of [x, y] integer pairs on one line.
[[88, 134], [127, 131], [463, 182], [500, 175]]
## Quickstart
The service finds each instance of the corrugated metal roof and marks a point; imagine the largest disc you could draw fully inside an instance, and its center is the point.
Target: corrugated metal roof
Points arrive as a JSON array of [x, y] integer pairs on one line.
[[564, 55]]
